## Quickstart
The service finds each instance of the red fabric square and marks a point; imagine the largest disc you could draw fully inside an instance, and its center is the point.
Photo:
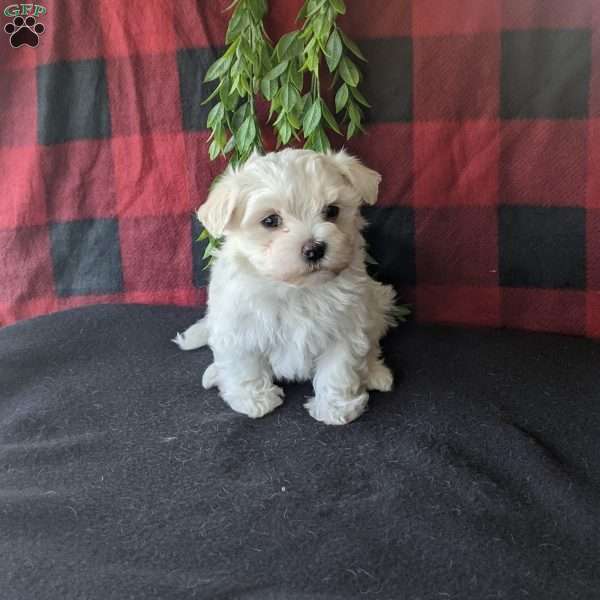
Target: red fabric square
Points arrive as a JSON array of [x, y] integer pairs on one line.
[[281, 17], [551, 14], [138, 26], [593, 248], [388, 148], [543, 162], [144, 94], [156, 252], [384, 18], [19, 109], [593, 170], [150, 174], [439, 17], [460, 305], [456, 163], [200, 170], [21, 200], [457, 245], [78, 180], [593, 314], [202, 24], [445, 69], [561, 311], [73, 32], [25, 264]]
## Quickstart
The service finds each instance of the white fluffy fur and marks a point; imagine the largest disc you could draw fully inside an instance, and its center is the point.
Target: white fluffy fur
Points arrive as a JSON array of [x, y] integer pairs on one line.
[[271, 315]]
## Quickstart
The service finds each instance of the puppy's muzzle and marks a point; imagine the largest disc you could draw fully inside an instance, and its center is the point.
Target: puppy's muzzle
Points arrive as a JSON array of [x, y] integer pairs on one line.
[[313, 251]]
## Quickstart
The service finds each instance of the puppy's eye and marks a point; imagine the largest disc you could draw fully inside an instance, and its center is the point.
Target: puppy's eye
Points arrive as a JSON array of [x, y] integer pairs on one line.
[[271, 221], [331, 212]]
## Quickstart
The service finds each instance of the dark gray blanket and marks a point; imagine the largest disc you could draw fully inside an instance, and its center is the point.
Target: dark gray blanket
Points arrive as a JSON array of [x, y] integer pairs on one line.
[[477, 478]]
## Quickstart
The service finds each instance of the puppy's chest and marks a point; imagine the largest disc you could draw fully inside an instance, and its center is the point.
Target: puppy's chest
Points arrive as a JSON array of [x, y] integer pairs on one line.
[[294, 336]]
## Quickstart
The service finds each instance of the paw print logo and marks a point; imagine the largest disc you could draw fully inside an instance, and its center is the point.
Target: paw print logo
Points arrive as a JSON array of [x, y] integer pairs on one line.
[[24, 31]]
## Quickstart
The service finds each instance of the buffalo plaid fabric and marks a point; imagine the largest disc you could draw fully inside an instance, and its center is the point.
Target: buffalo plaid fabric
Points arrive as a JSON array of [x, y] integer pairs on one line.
[[485, 124]]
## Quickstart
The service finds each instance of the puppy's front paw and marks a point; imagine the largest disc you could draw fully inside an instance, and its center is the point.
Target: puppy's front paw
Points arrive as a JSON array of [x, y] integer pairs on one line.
[[257, 404], [380, 378], [337, 411]]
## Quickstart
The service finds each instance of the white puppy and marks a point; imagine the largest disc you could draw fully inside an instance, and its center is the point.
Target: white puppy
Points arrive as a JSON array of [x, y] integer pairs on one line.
[[289, 295]]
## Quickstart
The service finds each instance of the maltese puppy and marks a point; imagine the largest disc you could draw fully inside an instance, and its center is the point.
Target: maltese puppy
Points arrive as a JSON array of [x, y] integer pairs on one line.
[[289, 295]]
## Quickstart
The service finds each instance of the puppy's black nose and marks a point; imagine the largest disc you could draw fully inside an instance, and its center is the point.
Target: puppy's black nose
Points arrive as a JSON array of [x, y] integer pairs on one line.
[[314, 251]]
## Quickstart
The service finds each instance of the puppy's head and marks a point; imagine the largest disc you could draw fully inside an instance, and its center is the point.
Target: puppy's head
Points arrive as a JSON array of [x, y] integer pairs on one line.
[[294, 215]]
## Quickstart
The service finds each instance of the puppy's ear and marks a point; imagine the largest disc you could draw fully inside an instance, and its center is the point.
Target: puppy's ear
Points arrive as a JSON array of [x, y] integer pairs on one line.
[[216, 212], [364, 180]]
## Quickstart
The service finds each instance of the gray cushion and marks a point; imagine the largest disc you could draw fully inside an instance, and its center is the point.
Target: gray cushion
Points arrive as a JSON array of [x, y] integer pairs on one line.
[[478, 477]]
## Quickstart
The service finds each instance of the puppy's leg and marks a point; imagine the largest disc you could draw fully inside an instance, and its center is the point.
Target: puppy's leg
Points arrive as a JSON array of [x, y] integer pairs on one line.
[[210, 379], [379, 377], [246, 383], [340, 394], [193, 337]]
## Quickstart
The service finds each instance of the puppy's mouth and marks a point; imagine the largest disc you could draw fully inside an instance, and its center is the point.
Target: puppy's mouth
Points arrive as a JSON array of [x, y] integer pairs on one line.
[[314, 275]]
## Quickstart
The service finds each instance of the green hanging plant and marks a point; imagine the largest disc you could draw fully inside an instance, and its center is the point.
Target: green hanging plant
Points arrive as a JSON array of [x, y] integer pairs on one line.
[[235, 130], [251, 66]]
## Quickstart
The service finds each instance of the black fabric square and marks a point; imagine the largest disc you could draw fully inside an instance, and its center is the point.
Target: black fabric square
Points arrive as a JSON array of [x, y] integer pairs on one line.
[[201, 275], [545, 74], [72, 101], [193, 63], [86, 257], [390, 239], [542, 247], [388, 79]]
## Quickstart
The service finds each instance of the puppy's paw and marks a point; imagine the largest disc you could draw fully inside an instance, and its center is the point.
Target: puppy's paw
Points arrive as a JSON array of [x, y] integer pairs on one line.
[[380, 378], [209, 379], [258, 403], [337, 411]]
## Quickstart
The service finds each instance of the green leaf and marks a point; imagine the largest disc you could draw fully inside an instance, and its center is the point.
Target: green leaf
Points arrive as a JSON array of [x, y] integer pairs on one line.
[[289, 97], [246, 134], [359, 97], [289, 46], [203, 235], [268, 88], [276, 71], [352, 46], [297, 77], [341, 97], [258, 8], [334, 50], [216, 115], [218, 68], [214, 150], [240, 115], [352, 130], [354, 113], [230, 145], [329, 118], [312, 118], [248, 53], [401, 312], [293, 120], [348, 72], [212, 95], [314, 6], [285, 133], [321, 26], [338, 6], [318, 141]]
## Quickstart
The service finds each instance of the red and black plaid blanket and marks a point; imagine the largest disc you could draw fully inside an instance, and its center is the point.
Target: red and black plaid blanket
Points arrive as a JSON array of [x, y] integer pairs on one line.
[[485, 125]]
